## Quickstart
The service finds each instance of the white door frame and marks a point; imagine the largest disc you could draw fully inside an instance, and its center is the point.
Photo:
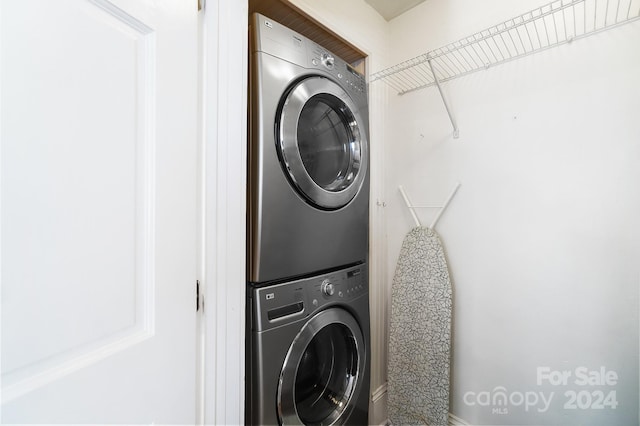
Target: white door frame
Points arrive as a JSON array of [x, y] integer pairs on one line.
[[222, 269]]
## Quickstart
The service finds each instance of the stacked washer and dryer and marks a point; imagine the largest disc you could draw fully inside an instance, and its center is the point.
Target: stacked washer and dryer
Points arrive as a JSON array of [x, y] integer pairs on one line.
[[308, 344]]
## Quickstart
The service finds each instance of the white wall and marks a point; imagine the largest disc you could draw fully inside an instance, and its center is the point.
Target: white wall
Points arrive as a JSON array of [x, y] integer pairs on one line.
[[543, 237]]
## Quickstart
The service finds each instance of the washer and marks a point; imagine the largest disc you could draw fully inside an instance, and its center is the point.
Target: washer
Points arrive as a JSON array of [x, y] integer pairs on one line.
[[308, 153], [309, 349]]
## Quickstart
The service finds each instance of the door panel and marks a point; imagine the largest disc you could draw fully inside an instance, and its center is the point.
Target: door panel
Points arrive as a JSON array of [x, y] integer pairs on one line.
[[98, 211], [323, 370], [321, 142]]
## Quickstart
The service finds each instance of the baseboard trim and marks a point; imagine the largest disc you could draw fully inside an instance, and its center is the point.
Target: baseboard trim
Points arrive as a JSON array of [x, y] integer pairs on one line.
[[379, 393], [457, 421], [453, 421], [379, 414]]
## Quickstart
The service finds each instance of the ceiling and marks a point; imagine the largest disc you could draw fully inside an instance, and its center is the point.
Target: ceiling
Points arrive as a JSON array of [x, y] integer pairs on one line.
[[389, 9]]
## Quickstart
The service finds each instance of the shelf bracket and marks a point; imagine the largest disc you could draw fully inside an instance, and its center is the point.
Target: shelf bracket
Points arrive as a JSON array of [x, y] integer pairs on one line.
[[456, 133]]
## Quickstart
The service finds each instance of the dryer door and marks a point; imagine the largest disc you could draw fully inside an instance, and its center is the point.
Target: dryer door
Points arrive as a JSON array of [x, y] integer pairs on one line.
[[322, 142], [323, 371]]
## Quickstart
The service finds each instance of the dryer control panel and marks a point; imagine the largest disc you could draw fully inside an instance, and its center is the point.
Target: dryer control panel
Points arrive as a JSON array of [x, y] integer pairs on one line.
[[284, 43], [343, 72]]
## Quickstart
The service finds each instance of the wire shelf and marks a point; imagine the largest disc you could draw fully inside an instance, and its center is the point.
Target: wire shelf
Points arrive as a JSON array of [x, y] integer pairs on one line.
[[553, 24]]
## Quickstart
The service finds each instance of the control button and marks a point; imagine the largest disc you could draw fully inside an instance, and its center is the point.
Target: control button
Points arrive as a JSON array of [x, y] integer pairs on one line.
[[314, 61], [327, 60], [315, 302], [327, 288], [340, 294], [339, 75]]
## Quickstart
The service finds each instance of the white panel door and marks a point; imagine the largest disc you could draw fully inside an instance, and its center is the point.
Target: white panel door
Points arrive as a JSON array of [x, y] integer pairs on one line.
[[98, 210]]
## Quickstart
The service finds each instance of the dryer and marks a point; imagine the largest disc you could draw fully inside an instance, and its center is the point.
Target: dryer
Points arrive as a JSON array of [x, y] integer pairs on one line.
[[308, 181], [309, 351]]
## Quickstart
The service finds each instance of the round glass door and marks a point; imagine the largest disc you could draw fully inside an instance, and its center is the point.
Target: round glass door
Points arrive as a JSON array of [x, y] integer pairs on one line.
[[321, 376], [321, 142]]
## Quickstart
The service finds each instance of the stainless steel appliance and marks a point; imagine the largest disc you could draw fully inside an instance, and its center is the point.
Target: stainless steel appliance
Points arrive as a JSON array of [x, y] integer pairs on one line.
[[308, 166], [309, 349]]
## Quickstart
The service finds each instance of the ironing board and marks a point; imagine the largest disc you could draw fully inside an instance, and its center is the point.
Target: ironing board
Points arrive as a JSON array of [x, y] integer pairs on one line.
[[420, 333]]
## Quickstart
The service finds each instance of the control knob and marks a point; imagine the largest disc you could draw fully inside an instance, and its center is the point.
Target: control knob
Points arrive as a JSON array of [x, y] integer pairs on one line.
[[327, 288], [327, 60]]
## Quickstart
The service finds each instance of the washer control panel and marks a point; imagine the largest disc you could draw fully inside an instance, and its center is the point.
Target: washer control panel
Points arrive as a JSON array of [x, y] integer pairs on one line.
[[327, 287], [340, 286], [274, 305]]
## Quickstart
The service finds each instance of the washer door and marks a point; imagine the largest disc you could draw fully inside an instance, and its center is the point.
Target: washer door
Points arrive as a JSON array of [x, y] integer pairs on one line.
[[322, 142], [323, 371]]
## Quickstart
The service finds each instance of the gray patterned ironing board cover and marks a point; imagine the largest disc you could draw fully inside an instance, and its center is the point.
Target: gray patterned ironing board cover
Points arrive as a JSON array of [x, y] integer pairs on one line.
[[420, 333]]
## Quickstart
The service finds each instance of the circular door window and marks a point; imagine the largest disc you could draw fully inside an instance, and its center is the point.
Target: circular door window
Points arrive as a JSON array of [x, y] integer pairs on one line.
[[322, 372], [321, 142]]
